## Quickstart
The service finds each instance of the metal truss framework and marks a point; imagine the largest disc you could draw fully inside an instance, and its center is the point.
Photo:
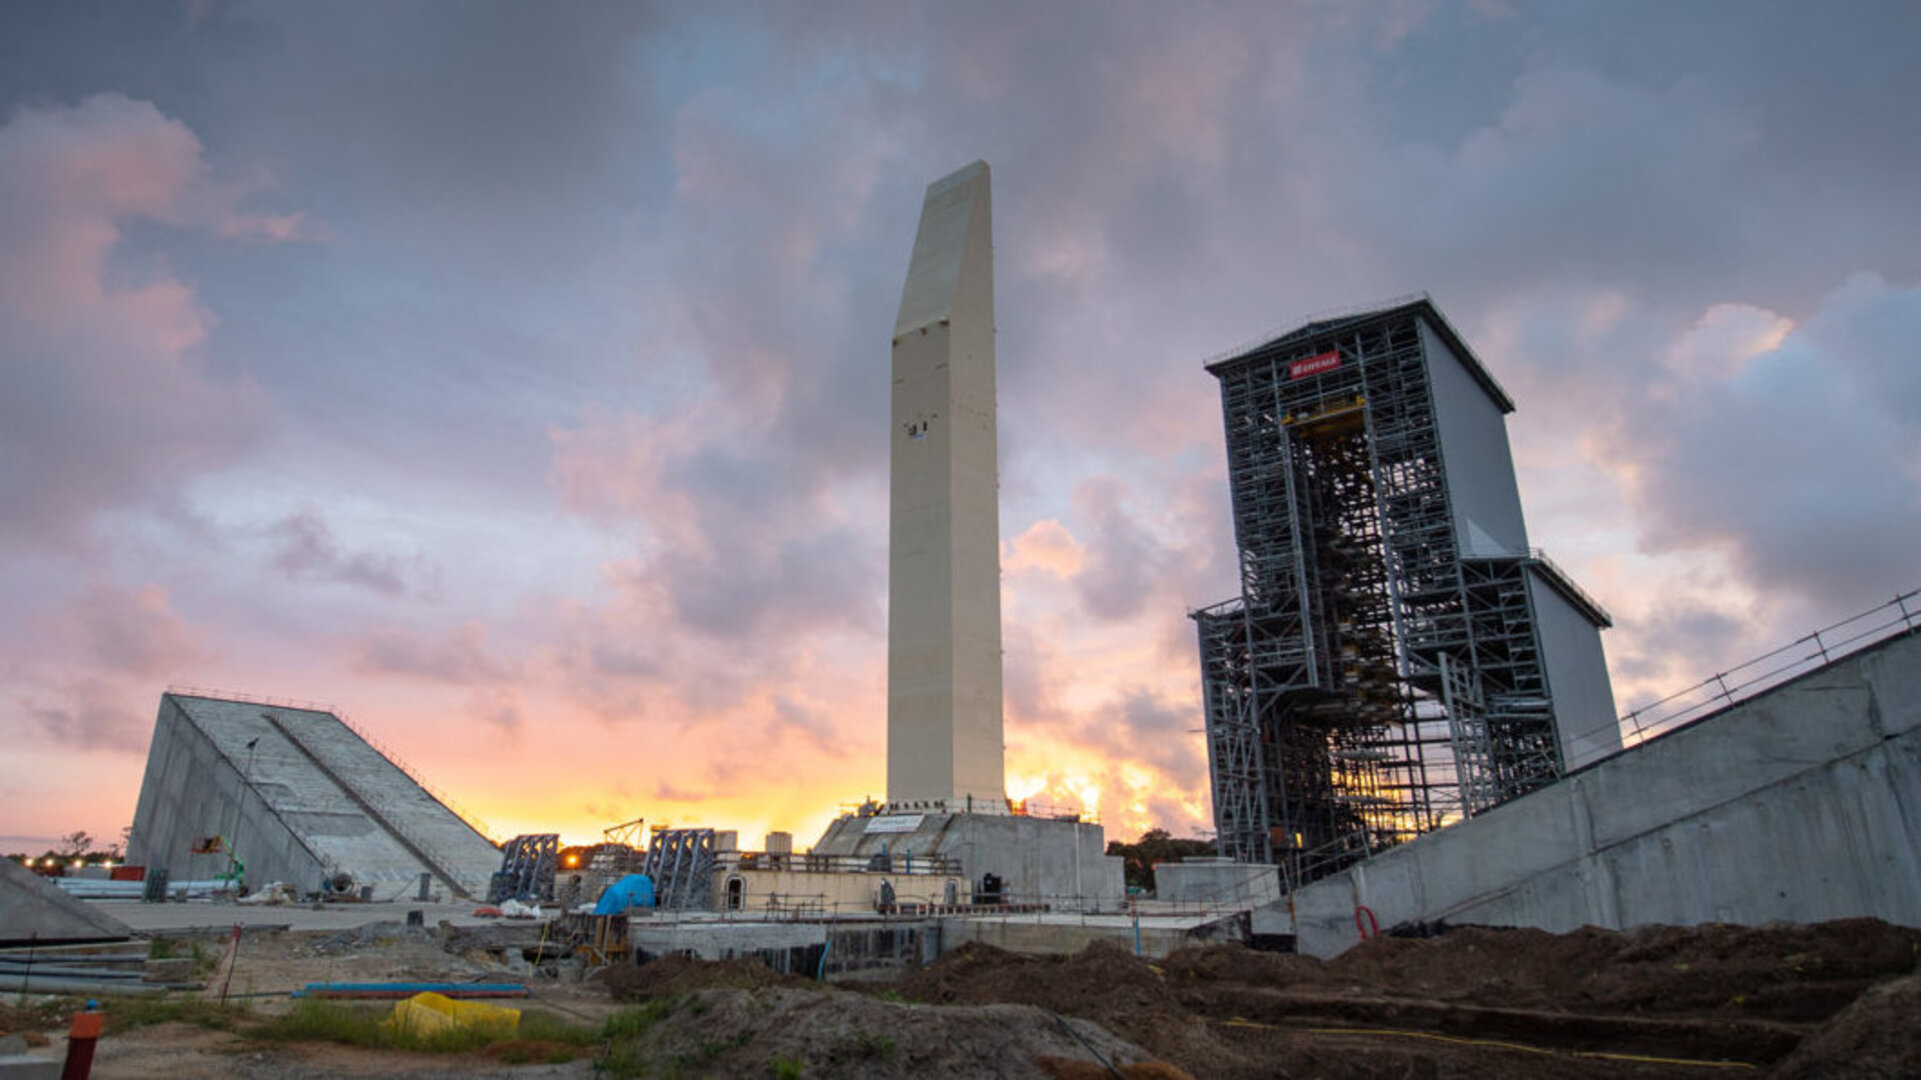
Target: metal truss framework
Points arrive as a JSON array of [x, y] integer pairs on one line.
[[526, 869], [1370, 683], [681, 864]]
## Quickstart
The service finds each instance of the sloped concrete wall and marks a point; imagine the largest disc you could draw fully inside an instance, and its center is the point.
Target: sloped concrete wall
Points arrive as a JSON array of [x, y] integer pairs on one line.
[[34, 909], [273, 780], [1801, 805], [194, 789]]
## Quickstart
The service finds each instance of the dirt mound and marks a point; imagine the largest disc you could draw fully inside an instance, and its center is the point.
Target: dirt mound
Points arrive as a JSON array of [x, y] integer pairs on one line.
[[1788, 973], [1103, 982], [1522, 968], [681, 975], [1103, 977], [1069, 1069], [1783, 972], [1874, 1037], [1242, 965], [822, 1033]]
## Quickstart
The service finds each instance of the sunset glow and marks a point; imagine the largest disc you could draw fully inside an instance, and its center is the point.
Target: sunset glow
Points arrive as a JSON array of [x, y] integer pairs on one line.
[[520, 387]]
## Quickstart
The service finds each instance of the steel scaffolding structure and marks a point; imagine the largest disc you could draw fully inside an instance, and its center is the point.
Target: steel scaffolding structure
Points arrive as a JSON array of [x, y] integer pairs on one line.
[[1372, 681]]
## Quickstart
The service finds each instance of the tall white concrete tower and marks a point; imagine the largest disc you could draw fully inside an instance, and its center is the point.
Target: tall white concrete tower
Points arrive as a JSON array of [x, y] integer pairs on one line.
[[944, 748]]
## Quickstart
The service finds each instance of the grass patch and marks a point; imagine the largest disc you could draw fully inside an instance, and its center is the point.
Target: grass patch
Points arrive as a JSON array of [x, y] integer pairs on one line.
[[624, 1057], [541, 1036], [126, 1012], [320, 1020], [146, 1010], [871, 1045], [37, 1013], [632, 1023], [788, 1068], [204, 958], [709, 1049]]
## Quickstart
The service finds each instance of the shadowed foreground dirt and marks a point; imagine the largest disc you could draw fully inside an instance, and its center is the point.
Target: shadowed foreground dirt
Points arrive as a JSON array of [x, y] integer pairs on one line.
[[1835, 999]]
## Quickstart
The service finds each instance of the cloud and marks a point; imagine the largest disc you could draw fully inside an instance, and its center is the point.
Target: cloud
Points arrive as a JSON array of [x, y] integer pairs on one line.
[[738, 536], [666, 791], [810, 722], [459, 656], [1795, 452], [134, 632], [504, 709], [1045, 546], [307, 551], [652, 256], [84, 674], [88, 713], [109, 399]]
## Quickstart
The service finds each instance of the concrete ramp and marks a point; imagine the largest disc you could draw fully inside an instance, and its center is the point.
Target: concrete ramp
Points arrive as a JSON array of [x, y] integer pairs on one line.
[[301, 797], [32, 909], [1800, 805]]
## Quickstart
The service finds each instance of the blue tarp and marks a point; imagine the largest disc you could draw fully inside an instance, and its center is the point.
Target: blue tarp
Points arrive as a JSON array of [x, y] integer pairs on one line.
[[632, 891]]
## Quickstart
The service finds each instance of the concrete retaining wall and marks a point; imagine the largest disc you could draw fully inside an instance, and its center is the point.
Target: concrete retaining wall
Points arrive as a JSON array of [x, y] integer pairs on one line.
[[1154, 938], [1801, 805], [850, 950]]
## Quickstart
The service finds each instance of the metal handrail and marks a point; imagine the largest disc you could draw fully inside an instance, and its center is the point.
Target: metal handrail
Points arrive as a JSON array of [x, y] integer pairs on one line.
[[890, 865], [1566, 579], [1798, 657]]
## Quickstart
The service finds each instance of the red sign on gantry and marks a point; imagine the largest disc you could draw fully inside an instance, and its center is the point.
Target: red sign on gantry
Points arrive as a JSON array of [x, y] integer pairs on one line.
[[1314, 365]]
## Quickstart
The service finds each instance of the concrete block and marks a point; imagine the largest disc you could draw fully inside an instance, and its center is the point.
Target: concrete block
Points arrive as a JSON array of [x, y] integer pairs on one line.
[[1063, 863], [17, 1064], [1217, 881]]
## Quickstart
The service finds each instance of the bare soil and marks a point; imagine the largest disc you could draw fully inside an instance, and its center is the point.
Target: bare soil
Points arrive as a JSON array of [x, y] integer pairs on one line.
[[1833, 999]]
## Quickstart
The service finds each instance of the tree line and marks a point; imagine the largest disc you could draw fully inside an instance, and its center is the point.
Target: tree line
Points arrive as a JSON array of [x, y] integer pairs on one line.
[[1155, 846]]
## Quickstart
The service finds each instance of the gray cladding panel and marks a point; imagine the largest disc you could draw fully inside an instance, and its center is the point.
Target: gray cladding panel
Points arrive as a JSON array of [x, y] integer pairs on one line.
[[1480, 468], [1577, 676]]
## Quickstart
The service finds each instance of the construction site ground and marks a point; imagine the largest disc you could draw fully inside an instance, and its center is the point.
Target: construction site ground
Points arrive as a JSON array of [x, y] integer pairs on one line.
[[1835, 999]]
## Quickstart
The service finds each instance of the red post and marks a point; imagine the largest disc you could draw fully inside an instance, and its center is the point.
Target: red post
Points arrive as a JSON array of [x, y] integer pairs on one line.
[[80, 1039]]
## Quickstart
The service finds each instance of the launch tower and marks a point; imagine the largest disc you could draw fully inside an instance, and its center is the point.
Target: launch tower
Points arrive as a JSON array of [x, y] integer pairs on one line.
[[1399, 658]]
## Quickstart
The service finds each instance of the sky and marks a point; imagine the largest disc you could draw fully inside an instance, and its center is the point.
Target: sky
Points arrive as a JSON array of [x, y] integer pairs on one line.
[[514, 378]]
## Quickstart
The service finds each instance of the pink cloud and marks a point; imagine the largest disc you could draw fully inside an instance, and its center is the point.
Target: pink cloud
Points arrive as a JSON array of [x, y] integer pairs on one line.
[[459, 656], [1046, 546], [108, 400], [89, 712], [307, 551], [133, 632]]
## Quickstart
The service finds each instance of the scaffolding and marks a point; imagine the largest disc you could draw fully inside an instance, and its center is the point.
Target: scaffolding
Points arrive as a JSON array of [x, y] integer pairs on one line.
[[1371, 682]]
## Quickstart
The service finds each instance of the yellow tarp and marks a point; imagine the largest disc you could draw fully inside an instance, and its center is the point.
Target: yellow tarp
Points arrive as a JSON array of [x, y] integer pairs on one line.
[[430, 1014]]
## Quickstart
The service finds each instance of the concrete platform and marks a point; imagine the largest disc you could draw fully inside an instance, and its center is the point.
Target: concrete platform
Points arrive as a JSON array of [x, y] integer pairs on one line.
[[17, 1063]]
